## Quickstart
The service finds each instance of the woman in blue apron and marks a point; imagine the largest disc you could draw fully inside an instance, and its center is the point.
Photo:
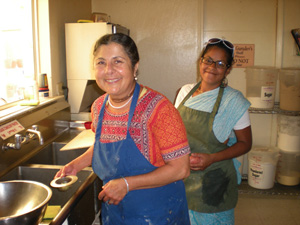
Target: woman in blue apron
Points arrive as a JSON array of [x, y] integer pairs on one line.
[[218, 129], [141, 151]]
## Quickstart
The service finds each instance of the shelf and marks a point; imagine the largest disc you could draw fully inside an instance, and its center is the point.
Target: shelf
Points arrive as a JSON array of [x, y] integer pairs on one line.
[[274, 110], [276, 191]]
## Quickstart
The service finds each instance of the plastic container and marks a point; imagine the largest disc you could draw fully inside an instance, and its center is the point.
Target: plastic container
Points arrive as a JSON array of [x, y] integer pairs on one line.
[[261, 86], [43, 81], [30, 91], [43, 93], [289, 133], [288, 168], [289, 89], [100, 17], [262, 163]]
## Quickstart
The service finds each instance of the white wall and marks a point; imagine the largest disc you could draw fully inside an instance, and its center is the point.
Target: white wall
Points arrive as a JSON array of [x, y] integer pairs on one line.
[[244, 22], [167, 34]]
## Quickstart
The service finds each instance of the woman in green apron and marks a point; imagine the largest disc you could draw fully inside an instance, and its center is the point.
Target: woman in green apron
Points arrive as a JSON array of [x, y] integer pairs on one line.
[[218, 128]]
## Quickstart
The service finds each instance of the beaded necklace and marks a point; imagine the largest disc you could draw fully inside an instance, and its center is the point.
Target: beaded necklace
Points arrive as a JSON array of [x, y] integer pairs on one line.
[[119, 107]]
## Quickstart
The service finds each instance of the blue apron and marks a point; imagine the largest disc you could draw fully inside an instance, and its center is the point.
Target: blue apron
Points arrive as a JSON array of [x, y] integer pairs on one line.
[[162, 205]]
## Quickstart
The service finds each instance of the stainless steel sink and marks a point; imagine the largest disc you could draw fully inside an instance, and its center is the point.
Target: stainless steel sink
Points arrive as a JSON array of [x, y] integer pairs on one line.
[[78, 203], [51, 155]]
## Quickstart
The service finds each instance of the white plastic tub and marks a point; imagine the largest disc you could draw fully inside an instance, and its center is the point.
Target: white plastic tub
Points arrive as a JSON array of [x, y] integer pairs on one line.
[[262, 162]]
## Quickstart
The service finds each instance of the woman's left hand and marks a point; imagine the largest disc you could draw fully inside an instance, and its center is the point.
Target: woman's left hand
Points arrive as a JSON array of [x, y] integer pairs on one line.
[[113, 191]]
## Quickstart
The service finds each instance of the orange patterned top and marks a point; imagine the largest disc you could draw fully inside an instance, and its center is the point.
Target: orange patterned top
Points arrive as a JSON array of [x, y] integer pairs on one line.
[[156, 127]]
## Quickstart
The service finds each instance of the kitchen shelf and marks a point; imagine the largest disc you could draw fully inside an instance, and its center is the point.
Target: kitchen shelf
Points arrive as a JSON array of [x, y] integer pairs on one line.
[[274, 110], [277, 190]]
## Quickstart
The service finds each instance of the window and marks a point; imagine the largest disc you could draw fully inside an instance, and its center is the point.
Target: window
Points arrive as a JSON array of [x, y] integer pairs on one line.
[[17, 59]]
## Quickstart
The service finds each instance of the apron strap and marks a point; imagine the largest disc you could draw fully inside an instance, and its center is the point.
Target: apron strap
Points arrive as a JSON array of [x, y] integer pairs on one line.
[[190, 93], [218, 101], [133, 104], [216, 108], [100, 117]]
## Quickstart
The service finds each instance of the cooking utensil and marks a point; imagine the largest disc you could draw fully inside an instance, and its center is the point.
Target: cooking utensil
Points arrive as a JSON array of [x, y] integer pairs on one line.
[[63, 183], [84, 139]]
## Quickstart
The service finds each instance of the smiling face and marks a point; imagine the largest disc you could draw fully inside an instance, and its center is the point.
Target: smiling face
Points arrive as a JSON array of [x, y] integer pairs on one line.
[[113, 70], [211, 75]]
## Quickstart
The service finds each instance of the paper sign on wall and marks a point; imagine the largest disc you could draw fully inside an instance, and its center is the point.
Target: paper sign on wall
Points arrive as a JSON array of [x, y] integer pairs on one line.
[[9, 129], [243, 55]]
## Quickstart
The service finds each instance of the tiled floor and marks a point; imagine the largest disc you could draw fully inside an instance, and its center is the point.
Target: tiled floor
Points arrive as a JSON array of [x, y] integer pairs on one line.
[[267, 211]]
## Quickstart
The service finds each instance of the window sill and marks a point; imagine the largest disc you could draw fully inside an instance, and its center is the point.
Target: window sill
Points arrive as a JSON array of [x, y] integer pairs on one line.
[[17, 110]]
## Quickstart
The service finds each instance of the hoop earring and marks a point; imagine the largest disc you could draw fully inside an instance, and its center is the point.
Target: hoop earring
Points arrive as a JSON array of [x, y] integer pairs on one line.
[[224, 82]]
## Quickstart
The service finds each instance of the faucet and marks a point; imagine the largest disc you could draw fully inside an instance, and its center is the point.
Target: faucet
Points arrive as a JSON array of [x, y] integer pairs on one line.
[[31, 133], [19, 140]]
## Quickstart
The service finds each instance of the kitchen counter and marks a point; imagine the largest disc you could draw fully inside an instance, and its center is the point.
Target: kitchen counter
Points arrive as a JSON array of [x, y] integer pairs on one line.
[[39, 161], [79, 204]]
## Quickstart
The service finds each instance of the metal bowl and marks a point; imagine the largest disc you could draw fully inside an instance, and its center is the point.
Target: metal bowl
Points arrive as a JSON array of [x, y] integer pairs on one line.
[[23, 202]]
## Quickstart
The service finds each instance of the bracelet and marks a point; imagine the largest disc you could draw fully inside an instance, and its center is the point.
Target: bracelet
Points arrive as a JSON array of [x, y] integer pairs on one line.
[[127, 185]]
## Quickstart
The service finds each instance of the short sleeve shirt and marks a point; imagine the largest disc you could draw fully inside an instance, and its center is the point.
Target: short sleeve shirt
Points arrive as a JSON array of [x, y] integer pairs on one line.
[[156, 127]]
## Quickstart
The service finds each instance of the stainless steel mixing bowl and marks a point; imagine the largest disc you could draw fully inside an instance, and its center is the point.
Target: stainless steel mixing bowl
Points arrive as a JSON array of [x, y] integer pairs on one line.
[[23, 202]]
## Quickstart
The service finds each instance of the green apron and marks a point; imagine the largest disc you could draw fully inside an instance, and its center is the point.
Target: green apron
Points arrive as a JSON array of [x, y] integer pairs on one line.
[[214, 189]]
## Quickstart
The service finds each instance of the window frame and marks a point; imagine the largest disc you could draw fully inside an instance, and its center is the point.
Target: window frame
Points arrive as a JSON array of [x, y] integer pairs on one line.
[[41, 37]]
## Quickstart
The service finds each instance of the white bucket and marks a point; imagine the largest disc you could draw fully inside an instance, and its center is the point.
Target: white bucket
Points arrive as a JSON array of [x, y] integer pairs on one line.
[[262, 163], [261, 86]]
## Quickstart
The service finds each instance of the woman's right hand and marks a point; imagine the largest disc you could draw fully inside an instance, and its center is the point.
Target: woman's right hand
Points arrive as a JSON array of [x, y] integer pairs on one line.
[[68, 169], [200, 161], [73, 167]]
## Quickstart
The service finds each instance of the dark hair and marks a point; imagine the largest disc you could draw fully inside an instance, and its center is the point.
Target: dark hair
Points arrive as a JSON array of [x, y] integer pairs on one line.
[[122, 39], [229, 52]]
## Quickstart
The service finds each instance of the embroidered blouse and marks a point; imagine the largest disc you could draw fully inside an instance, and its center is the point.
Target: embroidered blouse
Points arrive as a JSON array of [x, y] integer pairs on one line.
[[156, 127]]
